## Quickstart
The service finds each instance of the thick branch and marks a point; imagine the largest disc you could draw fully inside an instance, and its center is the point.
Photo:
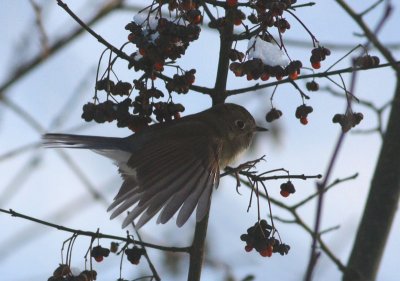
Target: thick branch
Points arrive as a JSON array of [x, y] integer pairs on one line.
[[382, 203]]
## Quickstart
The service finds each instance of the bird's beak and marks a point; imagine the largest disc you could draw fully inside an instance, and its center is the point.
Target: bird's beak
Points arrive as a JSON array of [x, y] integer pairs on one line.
[[261, 129]]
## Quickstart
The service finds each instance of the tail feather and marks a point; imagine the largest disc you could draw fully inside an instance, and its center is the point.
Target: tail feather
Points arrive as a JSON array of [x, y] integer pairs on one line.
[[87, 142]]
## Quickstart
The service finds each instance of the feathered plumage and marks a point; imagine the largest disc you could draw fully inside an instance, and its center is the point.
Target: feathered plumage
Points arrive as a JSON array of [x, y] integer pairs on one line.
[[169, 168]]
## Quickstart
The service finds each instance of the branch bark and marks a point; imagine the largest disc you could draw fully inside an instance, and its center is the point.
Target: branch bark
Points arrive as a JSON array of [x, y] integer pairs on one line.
[[381, 205]]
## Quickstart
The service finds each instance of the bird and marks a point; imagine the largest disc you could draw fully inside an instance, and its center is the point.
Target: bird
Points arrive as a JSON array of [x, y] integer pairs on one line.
[[171, 167]]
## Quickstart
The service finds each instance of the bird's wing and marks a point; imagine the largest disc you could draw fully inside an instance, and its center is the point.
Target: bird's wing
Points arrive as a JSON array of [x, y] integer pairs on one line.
[[169, 175]]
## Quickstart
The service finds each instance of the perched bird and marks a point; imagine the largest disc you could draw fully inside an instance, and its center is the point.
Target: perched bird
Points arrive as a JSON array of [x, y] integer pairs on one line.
[[171, 166]]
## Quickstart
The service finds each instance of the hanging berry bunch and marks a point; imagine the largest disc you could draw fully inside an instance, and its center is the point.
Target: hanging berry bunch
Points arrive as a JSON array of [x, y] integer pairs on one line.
[[366, 61], [302, 113], [287, 188], [348, 120], [265, 55], [273, 114], [63, 273], [317, 55], [181, 83], [134, 254], [261, 238], [159, 40], [312, 86], [99, 253]]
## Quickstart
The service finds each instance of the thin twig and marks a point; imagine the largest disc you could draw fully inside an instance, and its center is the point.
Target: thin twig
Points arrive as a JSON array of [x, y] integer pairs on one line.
[[94, 234]]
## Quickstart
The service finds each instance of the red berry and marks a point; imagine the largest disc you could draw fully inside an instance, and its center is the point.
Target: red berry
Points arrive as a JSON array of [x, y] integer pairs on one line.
[[266, 252], [237, 22], [316, 65], [285, 193], [99, 258], [303, 120], [264, 76], [279, 77], [294, 75], [197, 19], [249, 77], [248, 248], [177, 115], [231, 3], [131, 37], [142, 51], [158, 66]]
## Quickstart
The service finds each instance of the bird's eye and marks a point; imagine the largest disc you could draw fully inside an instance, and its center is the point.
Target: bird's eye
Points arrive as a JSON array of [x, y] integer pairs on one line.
[[240, 124]]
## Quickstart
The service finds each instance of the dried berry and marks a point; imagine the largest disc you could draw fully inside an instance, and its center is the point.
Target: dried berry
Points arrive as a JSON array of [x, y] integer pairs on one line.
[[312, 86], [121, 89], [273, 114], [348, 120], [134, 254]]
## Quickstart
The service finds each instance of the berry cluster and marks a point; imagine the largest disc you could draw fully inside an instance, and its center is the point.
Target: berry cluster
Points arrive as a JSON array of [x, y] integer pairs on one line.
[[63, 273], [282, 25], [119, 89], [99, 253], [114, 247], [165, 111], [269, 14], [273, 114], [109, 111], [366, 61], [134, 254], [312, 86], [235, 55], [302, 112], [143, 104], [317, 55], [273, 8], [235, 16], [259, 237], [348, 121], [181, 5], [287, 188], [169, 40], [255, 69], [181, 83]]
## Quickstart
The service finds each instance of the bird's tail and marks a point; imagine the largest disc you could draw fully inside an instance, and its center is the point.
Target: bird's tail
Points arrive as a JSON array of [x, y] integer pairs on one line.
[[78, 141]]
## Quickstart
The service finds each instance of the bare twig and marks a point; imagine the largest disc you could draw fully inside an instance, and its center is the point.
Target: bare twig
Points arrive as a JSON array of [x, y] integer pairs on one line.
[[94, 234]]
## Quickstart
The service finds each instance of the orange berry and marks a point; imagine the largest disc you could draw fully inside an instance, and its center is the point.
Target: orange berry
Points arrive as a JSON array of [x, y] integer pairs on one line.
[[264, 76], [285, 193], [158, 66], [278, 77], [197, 19], [294, 75], [316, 65], [303, 120]]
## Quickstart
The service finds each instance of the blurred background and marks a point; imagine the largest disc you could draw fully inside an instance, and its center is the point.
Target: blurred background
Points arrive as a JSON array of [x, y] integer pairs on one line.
[[73, 188]]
